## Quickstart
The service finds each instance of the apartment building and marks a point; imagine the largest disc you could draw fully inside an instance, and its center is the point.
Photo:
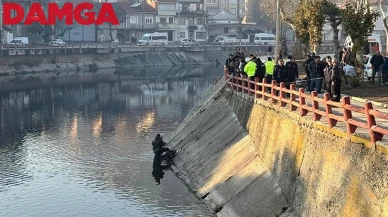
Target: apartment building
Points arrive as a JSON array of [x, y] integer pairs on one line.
[[182, 19], [234, 7]]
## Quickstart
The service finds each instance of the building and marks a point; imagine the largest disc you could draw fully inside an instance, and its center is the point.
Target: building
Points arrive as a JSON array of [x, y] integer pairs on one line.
[[233, 7], [226, 24], [182, 19], [140, 19]]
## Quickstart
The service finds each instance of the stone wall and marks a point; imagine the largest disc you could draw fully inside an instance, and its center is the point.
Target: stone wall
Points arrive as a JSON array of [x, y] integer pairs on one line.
[[251, 158], [14, 65]]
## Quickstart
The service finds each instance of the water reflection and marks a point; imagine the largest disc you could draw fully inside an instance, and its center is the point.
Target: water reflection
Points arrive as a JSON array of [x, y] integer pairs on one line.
[[85, 150]]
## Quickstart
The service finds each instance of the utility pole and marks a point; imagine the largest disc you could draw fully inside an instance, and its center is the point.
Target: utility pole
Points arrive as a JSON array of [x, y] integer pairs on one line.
[[179, 20], [1, 23], [277, 45]]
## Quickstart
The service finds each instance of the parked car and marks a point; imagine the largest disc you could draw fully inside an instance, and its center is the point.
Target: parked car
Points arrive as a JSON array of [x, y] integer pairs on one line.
[[18, 42], [57, 42], [189, 42], [367, 67]]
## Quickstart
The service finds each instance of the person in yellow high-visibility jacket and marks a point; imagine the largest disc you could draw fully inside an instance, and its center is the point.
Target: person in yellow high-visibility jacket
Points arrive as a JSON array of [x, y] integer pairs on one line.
[[250, 69], [269, 68]]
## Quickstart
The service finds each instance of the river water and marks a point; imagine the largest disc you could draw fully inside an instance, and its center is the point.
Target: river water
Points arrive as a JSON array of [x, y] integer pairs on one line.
[[85, 150]]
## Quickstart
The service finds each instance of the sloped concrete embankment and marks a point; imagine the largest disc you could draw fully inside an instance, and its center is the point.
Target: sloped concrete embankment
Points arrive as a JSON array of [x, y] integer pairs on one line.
[[247, 158], [13, 65]]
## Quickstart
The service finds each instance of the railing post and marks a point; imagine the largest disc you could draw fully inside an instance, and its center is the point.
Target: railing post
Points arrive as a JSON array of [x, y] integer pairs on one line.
[[292, 97], [245, 81], [326, 99], [302, 102], [348, 115], [316, 116], [371, 121], [263, 89], [273, 85], [250, 90], [256, 87], [282, 95]]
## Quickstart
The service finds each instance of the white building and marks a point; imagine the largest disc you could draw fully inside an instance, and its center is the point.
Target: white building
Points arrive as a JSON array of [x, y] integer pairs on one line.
[[182, 19]]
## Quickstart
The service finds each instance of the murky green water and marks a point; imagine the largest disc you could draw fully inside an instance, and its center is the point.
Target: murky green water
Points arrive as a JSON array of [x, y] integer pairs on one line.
[[85, 150]]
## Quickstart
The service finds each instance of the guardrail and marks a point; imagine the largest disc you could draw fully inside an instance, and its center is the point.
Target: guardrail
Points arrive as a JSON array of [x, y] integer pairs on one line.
[[298, 100]]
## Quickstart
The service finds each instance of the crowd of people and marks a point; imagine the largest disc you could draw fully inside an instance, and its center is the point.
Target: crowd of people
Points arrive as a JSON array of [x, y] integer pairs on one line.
[[321, 74]]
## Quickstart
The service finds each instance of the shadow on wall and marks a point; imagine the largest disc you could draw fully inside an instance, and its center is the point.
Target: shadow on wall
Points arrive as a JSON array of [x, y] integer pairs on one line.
[[247, 159], [319, 174]]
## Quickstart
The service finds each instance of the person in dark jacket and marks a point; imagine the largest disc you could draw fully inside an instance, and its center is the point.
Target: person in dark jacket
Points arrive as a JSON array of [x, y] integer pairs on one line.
[[280, 72], [336, 81], [377, 62], [327, 73], [158, 145], [316, 74], [292, 71], [260, 70], [309, 59]]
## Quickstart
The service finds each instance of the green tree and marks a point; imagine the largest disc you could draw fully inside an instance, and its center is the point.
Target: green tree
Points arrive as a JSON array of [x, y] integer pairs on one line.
[[36, 30], [333, 15], [308, 23], [47, 33], [358, 20]]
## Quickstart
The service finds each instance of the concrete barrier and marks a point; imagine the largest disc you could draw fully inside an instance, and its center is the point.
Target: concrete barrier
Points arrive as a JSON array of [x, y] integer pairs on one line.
[[91, 61], [249, 157]]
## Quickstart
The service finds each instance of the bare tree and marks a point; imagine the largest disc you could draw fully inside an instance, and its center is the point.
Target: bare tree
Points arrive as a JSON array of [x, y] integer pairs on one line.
[[384, 15]]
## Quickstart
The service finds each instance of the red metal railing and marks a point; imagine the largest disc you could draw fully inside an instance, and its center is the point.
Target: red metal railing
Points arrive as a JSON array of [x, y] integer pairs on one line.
[[318, 107]]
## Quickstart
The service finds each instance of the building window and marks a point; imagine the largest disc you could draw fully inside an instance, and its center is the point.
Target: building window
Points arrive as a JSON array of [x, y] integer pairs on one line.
[[211, 1], [233, 11], [170, 20], [182, 35], [200, 21], [149, 20], [191, 21], [200, 35], [163, 20], [226, 30], [182, 21], [212, 11], [133, 19]]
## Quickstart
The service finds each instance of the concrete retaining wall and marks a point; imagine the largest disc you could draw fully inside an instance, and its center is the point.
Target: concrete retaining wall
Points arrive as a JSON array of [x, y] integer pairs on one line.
[[13, 65], [251, 158]]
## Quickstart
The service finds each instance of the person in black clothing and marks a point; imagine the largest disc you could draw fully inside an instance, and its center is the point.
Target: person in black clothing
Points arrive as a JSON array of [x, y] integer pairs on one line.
[[377, 62], [227, 63], [336, 74], [269, 50], [316, 74], [280, 72], [158, 145], [309, 59], [292, 71], [260, 70], [327, 73]]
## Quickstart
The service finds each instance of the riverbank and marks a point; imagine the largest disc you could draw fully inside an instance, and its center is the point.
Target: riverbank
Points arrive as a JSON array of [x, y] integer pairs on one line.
[[23, 81], [16, 65], [248, 157]]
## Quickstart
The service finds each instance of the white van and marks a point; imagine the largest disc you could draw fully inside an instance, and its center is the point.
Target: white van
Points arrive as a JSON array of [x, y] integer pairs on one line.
[[265, 38], [18, 42], [156, 38]]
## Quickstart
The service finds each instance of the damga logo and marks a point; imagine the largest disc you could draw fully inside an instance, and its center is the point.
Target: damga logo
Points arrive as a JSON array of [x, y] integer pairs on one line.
[[82, 13]]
